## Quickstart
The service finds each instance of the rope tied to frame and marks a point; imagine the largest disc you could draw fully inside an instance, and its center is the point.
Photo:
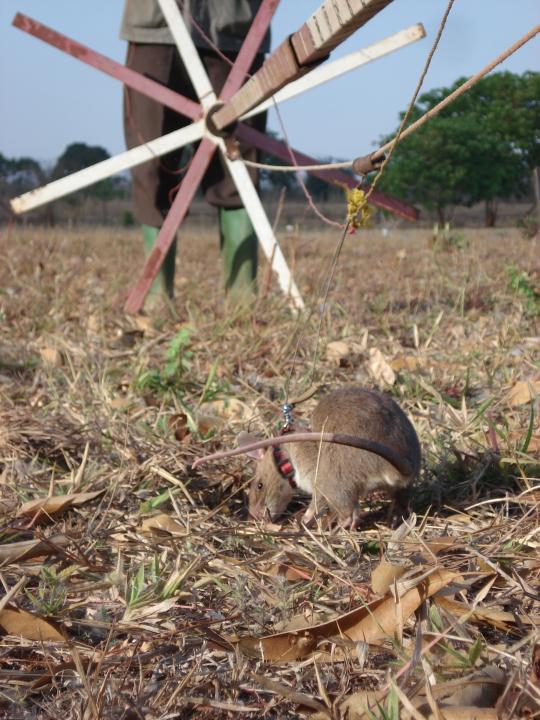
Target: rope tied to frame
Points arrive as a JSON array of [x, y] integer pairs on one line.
[[379, 164]]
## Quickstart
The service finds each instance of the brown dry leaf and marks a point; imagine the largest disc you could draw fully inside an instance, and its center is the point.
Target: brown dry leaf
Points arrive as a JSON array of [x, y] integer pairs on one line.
[[520, 698], [523, 392], [384, 575], [57, 503], [93, 322], [145, 323], [498, 618], [371, 623], [46, 678], [356, 706], [289, 572], [51, 356], [206, 423], [338, 353], [405, 362], [285, 691], [481, 689], [120, 402], [14, 621], [163, 524], [379, 368], [464, 697], [444, 542], [178, 425], [147, 611], [19, 551], [435, 546], [229, 409], [460, 713]]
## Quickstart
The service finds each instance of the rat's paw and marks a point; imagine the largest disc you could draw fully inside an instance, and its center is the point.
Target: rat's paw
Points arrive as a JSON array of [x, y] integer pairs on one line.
[[352, 521], [308, 516]]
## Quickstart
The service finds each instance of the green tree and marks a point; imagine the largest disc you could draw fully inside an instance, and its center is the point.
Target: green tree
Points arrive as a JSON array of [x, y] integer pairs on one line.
[[78, 156], [19, 175], [481, 148]]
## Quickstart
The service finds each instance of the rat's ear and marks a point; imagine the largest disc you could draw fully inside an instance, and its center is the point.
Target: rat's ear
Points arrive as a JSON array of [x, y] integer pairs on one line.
[[245, 438]]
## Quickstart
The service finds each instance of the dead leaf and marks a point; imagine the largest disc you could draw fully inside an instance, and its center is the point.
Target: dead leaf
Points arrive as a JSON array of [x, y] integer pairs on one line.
[[121, 402], [370, 623], [93, 323], [146, 611], [289, 572], [521, 696], [356, 706], [178, 425], [405, 362], [481, 689], [338, 353], [231, 409], [14, 621], [379, 368], [57, 503], [51, 356], [287, 692], [27, 549], [498, 618], [436, 545], [523, 392], [145, 323], [384, 575], [163, 524], [206, 423], [460, 713], [68, 669], [442, 543]]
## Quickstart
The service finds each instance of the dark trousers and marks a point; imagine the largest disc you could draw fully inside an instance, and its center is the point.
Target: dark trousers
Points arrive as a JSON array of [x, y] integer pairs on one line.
[[145, 119]]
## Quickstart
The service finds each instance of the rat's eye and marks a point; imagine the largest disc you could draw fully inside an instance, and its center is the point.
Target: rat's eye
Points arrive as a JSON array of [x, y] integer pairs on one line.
[[259, 486]]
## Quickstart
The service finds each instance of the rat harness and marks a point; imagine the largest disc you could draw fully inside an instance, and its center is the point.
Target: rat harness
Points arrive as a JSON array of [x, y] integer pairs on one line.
[[282, 462]]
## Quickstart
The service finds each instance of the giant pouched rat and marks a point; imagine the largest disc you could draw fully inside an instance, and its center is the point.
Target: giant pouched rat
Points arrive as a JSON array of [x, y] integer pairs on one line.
[[335, 475]]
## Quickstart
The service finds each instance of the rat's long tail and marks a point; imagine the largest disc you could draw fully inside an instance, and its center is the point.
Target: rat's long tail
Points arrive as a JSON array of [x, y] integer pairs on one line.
[[401, 464]]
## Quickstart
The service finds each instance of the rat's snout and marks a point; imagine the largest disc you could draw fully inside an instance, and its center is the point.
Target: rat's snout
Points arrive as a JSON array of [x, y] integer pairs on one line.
[[259, 513]]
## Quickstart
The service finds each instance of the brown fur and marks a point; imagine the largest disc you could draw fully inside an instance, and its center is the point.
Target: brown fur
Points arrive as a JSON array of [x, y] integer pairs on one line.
[[336, 476]]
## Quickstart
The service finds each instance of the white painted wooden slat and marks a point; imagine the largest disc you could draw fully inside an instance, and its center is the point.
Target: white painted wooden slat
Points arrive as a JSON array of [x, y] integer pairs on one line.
[[263, 229], [240, 175], [188, 52], [330, 70], [102, 170]]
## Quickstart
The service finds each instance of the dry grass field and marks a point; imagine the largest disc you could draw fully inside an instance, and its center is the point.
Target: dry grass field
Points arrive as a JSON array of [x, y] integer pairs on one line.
[[132, 586]]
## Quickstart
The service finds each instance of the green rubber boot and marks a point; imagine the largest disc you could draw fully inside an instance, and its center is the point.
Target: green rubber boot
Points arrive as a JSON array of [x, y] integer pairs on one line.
[[239, 252], [163, 285]]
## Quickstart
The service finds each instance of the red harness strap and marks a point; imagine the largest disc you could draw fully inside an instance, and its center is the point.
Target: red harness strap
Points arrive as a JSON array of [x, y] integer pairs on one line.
[[283, 465]]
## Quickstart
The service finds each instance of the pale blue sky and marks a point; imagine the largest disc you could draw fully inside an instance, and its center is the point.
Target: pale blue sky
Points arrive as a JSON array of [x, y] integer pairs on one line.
[[49, 99]]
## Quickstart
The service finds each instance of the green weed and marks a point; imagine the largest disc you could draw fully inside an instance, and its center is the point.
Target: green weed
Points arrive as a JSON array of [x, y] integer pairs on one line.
[[522, 284]]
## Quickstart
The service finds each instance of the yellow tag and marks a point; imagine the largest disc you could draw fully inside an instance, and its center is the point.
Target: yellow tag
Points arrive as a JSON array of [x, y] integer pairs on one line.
[[358, 211]]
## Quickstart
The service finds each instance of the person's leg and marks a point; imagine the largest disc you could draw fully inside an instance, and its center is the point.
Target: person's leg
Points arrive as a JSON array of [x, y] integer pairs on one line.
[[238, 244], [145, 119], [238, 240], [164, 282]]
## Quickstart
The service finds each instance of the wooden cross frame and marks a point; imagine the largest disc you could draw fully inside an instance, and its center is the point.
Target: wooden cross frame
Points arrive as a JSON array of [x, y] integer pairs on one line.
[[283, 75]]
